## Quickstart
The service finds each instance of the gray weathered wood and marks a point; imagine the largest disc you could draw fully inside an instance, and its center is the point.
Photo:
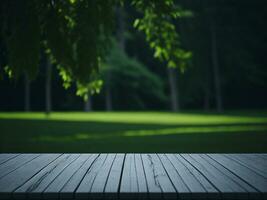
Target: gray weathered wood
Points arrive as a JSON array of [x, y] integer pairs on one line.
[[194, 186], [228, 173], [129, 184], [252, 192], [54, 188], [141, 178], [133, 183], [211, 191], [34, 187], [100, 181], [114, 178], [15, 163], [256, 159], [262, 155], [133, 176], [251, 164], [179, 184], [6, 157], [157, 178], [227, 187], [86, 184], [17, 178], [244, 173], [69, 188]]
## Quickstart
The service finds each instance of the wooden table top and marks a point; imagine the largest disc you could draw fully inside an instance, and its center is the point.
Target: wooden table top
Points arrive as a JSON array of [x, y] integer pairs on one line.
[[125, 176]]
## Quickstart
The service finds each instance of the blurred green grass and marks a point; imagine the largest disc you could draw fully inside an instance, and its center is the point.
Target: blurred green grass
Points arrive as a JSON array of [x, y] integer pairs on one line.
[[133, 132]]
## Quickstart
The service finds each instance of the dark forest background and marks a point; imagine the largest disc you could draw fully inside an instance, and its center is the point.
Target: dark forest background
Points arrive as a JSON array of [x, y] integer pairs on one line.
[[228, 68]]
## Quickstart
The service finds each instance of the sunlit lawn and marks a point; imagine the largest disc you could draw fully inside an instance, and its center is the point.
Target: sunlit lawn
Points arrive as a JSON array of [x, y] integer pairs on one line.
[[133, 132]]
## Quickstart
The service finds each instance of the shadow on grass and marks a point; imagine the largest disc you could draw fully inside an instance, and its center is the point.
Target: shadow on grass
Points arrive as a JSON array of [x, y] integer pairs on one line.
[[89, 136]]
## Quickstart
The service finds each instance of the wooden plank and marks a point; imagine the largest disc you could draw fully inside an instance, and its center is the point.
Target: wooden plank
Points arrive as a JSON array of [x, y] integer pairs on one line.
[[252, 192], [85, 186], [159, 184], [152, 184], [22, 191], [136, 176], [54, 188], [194, 186], [101, 178], [129, 184], [141, 178], [227, 187], [256, 159], [262, 155], [133, 183], [228, 173], [6, 157], [114, 178], [16, 163], [17, 178], [69, 188], [251, 164], [179, 184], [262, 158], [35, 187], [244, 173], [211, 191]]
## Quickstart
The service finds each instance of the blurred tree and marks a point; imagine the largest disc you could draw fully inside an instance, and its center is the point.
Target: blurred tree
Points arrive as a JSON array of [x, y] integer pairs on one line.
[[131, 82], [48, 98], [120, 36], [212, 23], [172, 75], [216, 69], [27, 93], [76, 33], [88, 104], [241, 38], [226, 39]]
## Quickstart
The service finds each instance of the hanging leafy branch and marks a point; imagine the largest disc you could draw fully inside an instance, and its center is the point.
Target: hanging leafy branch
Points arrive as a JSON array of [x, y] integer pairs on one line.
[[158, 24], [75, 36]]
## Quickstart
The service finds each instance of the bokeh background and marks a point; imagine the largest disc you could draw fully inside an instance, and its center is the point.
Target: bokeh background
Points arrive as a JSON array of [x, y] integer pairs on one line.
[[218, 103]]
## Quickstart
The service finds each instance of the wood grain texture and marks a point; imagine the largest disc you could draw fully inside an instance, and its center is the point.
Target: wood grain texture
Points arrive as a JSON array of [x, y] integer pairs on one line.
[[227, 187], [133, 176], [158, 182], [35, 187], [6, 157], [15, 163], [55, 187], [211, 191], [21, 175], [179, 184], [114, 178], [85, 186], [69, 189], [244, 173], [129, 183], [256, 166]]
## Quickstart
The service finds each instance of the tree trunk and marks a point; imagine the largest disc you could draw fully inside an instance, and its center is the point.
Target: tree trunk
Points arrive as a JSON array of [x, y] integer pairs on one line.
[[206, 98], [172, 74], [216, 71], [88, 104], [48, 102], [108, 97], [121, 28], [27, 94], [121, 41]]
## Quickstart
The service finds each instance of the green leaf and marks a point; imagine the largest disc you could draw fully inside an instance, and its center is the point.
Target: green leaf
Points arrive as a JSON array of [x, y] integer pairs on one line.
[[136, 23]]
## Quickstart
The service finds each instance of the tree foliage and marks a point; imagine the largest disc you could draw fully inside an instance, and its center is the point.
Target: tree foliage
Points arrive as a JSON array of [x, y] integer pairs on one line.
[[158, 25], [75, 36], [126, 75]]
